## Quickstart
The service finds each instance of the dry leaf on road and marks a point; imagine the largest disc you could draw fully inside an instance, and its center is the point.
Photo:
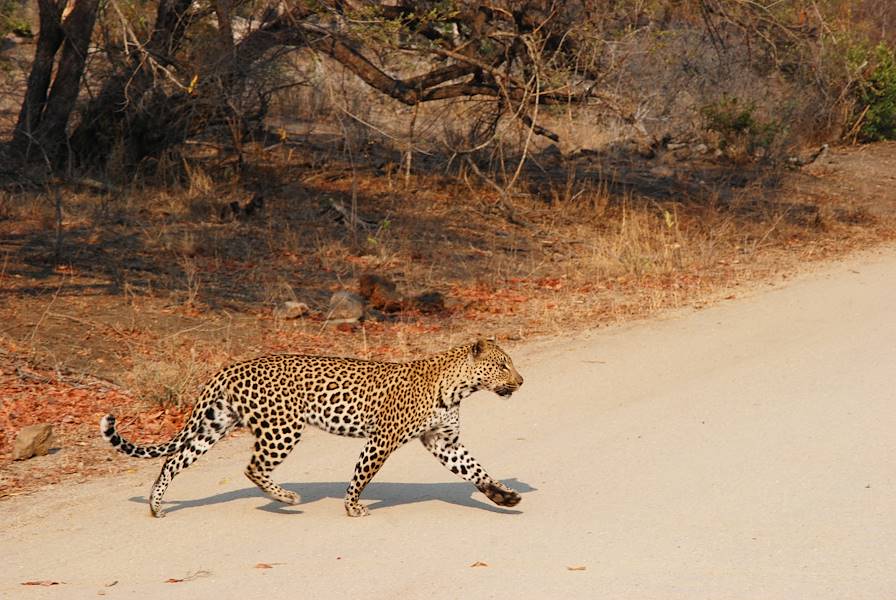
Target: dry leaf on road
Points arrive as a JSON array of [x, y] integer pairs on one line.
[[195, 575]]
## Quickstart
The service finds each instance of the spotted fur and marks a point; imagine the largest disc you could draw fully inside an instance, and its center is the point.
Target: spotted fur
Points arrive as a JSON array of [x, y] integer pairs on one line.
[[387, 403]]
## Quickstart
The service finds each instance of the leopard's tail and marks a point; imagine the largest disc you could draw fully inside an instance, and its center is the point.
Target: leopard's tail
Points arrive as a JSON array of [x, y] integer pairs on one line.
[[107, 428]]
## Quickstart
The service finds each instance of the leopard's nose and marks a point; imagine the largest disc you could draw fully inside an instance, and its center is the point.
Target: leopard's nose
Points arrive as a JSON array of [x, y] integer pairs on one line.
[[519, 380]]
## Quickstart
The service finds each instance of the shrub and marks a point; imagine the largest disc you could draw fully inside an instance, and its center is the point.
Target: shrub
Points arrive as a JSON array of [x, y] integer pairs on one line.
[[741, 132], [12, 19], [877, 97]]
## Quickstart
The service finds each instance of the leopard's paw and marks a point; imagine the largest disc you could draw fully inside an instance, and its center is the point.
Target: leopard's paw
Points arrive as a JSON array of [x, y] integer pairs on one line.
[[288, 497], [500, 494], [356, 509]]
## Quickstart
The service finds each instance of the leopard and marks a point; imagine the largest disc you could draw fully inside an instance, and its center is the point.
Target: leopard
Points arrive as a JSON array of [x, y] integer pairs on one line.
[[389, 403]]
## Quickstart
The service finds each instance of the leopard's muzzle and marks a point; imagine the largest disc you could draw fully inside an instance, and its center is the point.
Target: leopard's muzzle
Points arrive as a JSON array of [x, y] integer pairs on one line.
[[507, 389]]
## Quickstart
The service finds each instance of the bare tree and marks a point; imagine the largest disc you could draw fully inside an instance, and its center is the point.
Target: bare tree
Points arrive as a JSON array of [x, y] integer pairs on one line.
[[155, 89], [467, 49], [65, 29]]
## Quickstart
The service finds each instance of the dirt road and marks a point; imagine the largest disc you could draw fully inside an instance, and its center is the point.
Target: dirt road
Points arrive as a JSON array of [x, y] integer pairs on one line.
[[742, 451]]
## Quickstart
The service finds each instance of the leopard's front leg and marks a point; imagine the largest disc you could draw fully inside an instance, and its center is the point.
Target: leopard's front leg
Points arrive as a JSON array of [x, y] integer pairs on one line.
[[444, 445], [374, 454]]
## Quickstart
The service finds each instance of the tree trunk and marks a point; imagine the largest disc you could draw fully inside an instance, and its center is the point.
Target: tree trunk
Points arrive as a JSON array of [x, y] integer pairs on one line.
[[78, 28], [44, 115], [48, 42]]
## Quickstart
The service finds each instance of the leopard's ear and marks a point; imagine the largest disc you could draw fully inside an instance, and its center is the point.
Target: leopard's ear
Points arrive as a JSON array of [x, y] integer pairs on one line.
[[478, 348]]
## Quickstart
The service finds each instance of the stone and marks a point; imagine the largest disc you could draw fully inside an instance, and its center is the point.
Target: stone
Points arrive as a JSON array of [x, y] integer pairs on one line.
[[345, 307], [429, 303], [33, 440], [291, 310], [380, 293]]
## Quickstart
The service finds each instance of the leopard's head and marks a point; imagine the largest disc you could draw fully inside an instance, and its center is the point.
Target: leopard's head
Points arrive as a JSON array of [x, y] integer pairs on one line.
[[492, 369]]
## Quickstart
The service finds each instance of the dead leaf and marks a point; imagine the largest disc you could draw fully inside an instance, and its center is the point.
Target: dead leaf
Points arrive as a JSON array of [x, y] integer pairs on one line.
[[576, 568], [479, 563], [263, 566], [42, 582], [190, 577]]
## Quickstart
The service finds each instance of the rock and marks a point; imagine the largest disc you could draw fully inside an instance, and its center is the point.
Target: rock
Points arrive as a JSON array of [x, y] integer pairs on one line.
[[429, 303], [345, 307], [33, 440], [380, 293], [291, 310], [701, 148]]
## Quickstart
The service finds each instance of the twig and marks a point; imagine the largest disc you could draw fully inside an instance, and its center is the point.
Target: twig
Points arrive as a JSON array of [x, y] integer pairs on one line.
[[183, 331], [854, 130], [85, 322], [507, 209], [380, 131], [57, 195], [23, 374], [351, 218], [46, 312], [537, 79], [5, 264], [774, 226], [409, 152]]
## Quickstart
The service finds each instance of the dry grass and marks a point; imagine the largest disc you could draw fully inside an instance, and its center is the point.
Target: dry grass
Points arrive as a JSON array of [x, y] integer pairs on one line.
[[155, 289], [173, 380], [153, 283]]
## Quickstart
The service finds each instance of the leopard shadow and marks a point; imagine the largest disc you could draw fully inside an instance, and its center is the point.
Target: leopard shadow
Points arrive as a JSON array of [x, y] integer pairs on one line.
[[376, 496]]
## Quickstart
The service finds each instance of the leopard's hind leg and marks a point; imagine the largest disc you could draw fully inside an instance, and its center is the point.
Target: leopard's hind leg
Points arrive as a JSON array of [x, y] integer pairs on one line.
[[272, 445], [215, 421]]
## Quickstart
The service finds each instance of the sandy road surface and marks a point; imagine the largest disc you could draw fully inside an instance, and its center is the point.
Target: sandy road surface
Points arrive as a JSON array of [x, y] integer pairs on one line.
[[743, 451]]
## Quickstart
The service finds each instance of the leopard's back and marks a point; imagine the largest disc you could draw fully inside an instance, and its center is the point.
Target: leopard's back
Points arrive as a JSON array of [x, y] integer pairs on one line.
[[344, 396]]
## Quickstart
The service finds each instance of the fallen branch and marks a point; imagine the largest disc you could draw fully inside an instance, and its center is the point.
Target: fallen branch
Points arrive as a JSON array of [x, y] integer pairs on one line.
[[350, 218]]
